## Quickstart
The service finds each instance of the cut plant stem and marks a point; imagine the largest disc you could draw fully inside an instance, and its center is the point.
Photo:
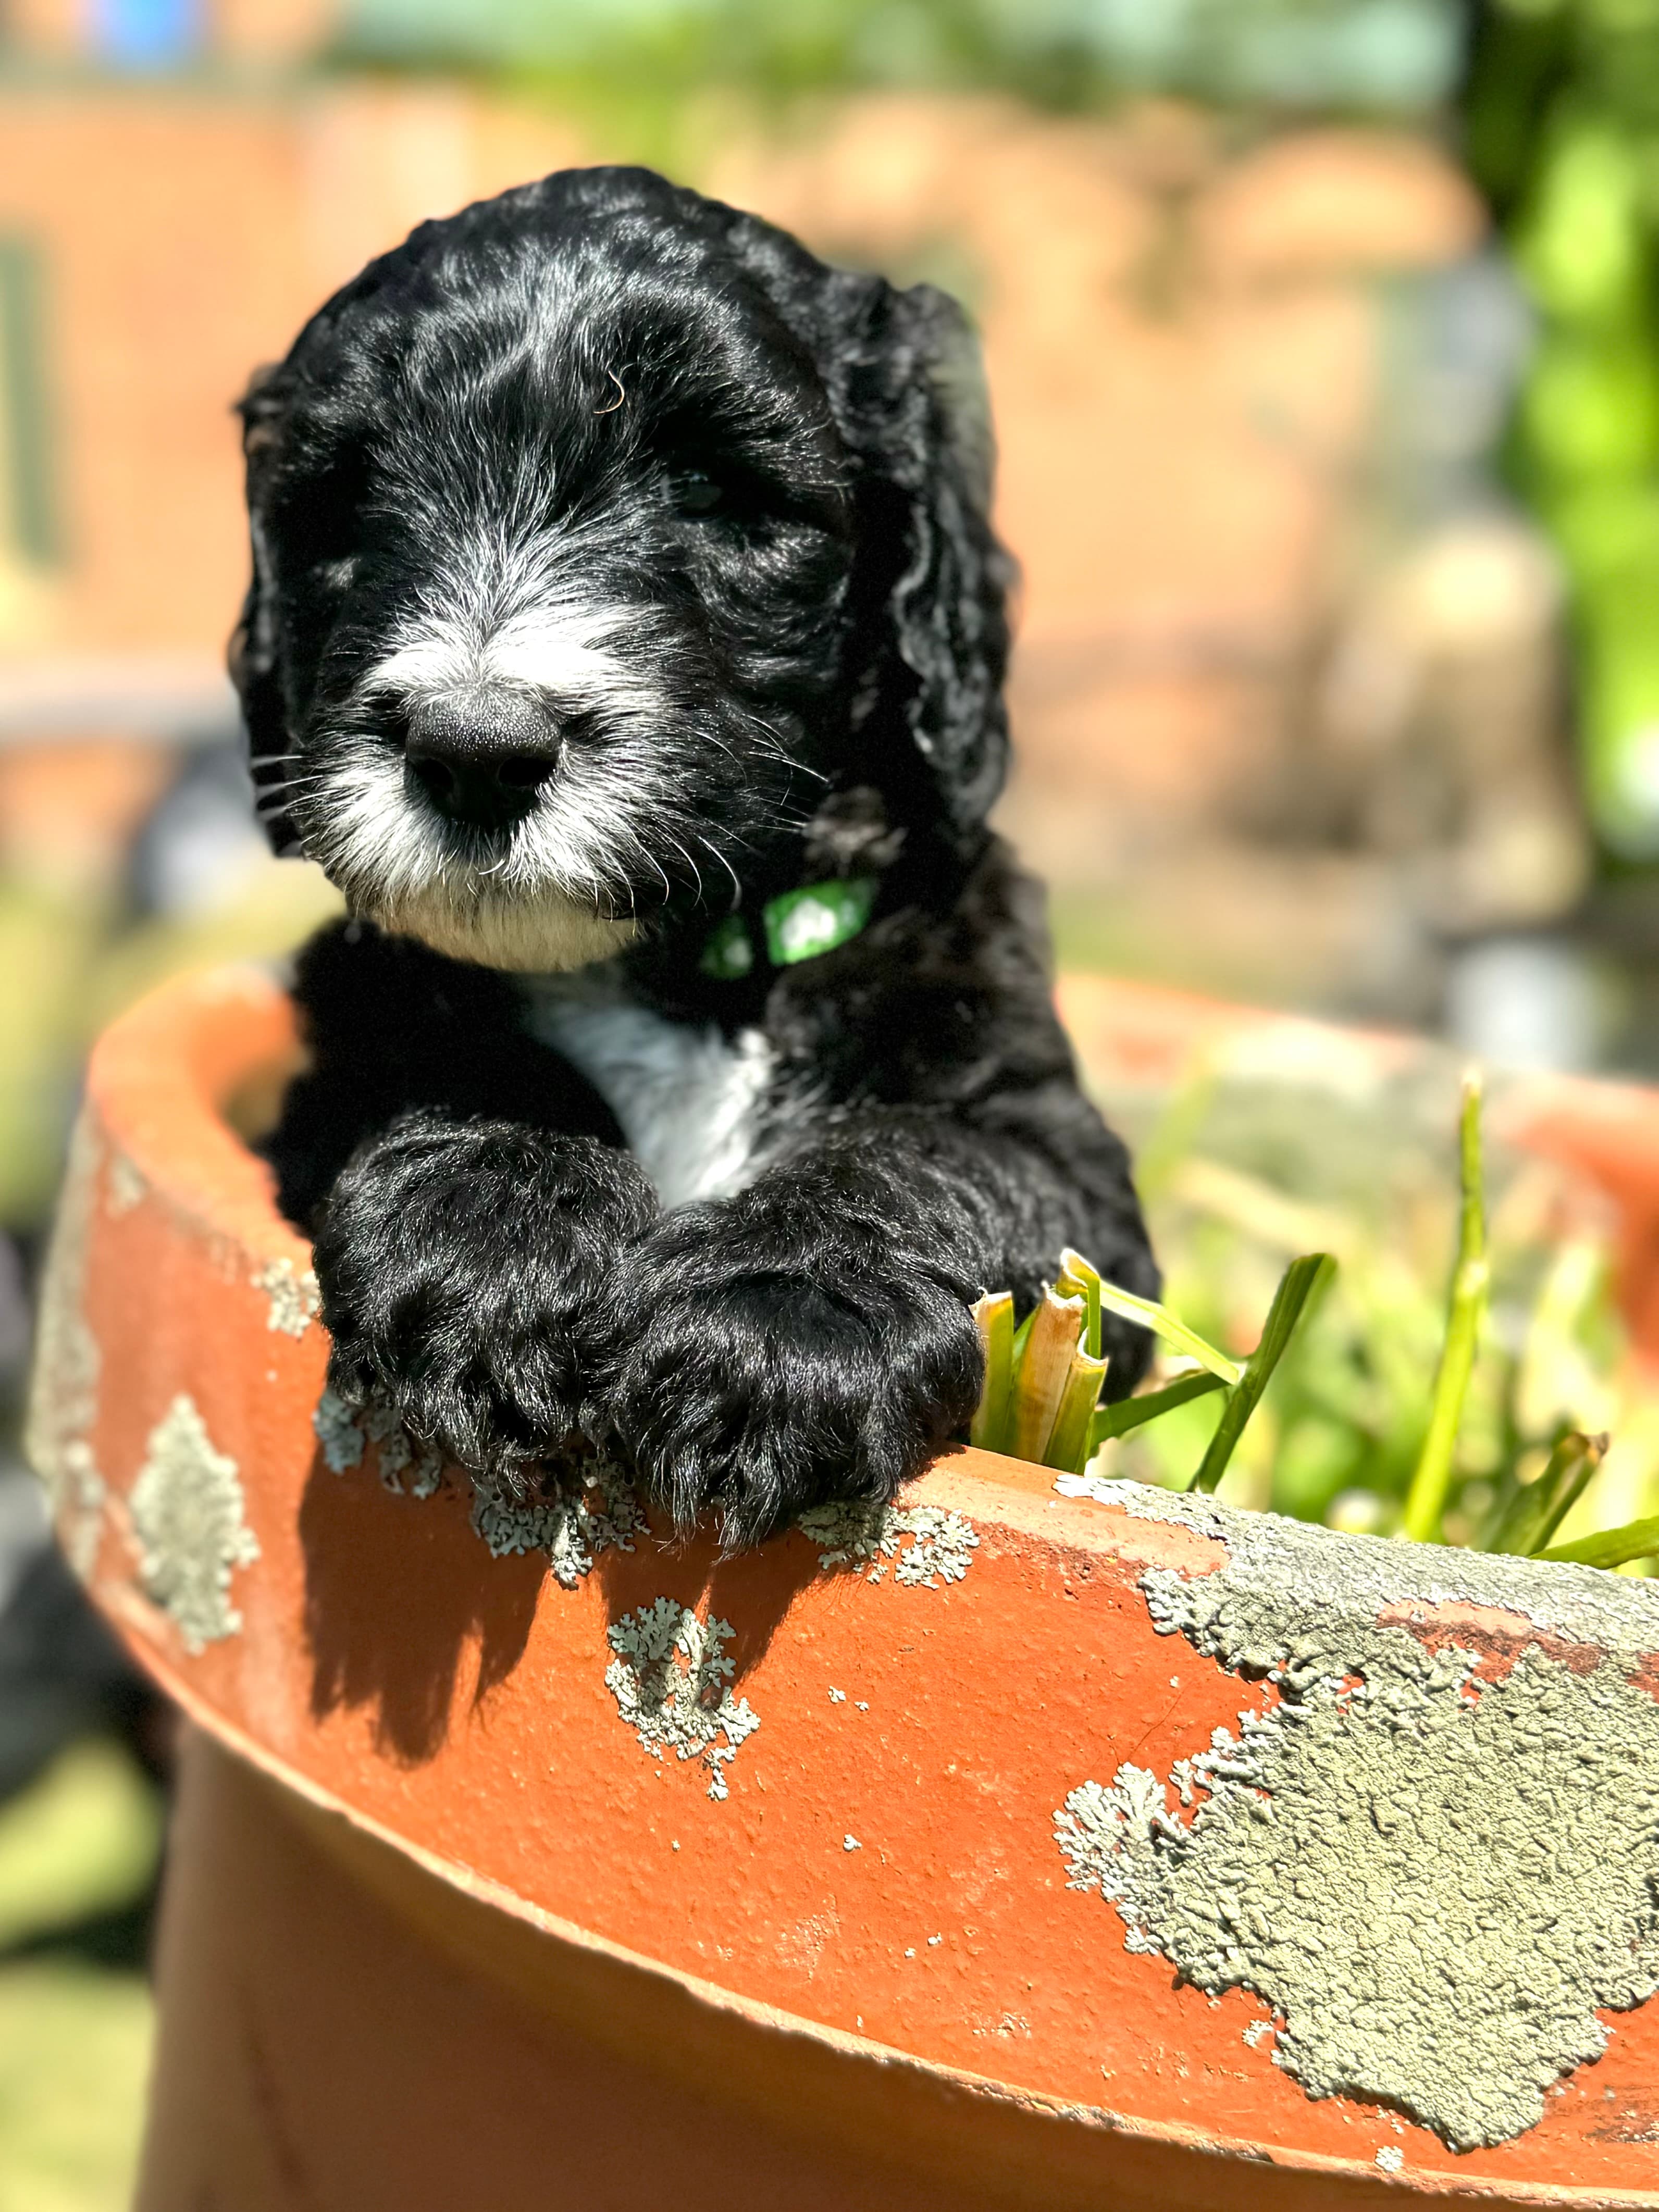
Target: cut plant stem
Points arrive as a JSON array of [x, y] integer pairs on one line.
[[1069, 1445], [1527, 1520], [1426, 1502], [1164, 1323], [1298, 1284], [994, 1318], [1613, 1548], [1021, 1337], [1040, 1376], [1080, 1274], [1130, 1413]]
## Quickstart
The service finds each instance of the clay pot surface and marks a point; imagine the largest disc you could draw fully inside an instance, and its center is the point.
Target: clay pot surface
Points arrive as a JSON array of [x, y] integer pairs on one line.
[[851, 1872]]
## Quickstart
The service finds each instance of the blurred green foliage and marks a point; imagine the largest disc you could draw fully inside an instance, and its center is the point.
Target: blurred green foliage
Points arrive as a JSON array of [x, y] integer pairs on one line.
[[1561, 132], [78, 1856], [1367, 56], [1241, 1173], [71, 959]]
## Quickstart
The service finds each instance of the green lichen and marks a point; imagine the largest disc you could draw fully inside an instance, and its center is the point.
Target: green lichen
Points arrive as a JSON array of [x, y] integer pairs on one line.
[[585, 1507], [1436, 1882], [63, 1390], [407, 1467], [582, 1506], [125, 1187], [292, 1296], [868, 1538], [672, 1683], [339, 1431], [187, 1513]]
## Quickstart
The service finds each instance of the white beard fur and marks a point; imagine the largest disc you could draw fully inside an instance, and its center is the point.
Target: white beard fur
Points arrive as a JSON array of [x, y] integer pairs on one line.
[[544, 935]]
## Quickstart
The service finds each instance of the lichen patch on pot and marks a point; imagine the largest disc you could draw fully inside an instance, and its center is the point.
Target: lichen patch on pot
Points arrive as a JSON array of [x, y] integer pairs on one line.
[[407, 1466], [187, 1513], [591, 1509], [124, 1187], [64, 1393], [867, 1537], [78, 1506], [1436, 1880], [292, 1296], [672, 1682], [339, 1431], [583, 1508]]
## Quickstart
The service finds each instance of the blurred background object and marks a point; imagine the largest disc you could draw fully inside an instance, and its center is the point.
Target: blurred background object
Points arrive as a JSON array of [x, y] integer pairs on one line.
[[1322, 337], [1295, 716]]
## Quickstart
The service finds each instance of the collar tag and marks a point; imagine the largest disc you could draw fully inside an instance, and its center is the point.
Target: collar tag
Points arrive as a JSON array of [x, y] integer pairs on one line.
[[798, 926], [802, 924], [729, 954]]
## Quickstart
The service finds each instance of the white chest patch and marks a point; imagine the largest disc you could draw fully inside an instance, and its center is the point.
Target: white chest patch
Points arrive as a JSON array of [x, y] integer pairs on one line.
[[688, 1100]]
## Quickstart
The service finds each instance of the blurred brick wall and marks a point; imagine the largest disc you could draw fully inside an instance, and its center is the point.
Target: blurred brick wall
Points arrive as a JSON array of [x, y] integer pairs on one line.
[[1182, 350], [185, 234], [1182, 335], [1180, 347]]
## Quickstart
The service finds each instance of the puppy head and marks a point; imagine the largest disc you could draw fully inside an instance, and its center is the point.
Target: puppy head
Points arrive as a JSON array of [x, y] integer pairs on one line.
[[596, 531]]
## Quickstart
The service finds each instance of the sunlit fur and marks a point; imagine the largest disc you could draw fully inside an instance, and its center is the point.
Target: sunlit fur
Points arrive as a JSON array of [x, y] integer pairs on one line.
[[634, 474]]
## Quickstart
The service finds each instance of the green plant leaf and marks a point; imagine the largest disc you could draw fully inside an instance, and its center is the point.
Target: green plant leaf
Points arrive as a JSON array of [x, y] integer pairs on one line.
[[1164, 1323], [1612, 1548], [1297, 1286], [1023, 1337], [1530, 1515], [1425, 1501], [1132, 1412]]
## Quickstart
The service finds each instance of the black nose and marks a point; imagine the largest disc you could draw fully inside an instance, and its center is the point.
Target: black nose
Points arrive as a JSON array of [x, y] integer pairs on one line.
[[481, 756]]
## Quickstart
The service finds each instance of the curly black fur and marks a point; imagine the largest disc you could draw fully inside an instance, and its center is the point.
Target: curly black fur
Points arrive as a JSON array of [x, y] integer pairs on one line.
[[619, 567]]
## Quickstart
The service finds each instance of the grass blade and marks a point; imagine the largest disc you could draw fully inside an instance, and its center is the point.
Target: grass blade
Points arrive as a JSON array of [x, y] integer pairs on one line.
[[1164, 1323], [1613, 1548], [1131, 1413], [994, 1318], [1040, 1377], [1023, 1337], [1426, 1502], [1297, 1286], [1530, 1516], [1068, 1447]]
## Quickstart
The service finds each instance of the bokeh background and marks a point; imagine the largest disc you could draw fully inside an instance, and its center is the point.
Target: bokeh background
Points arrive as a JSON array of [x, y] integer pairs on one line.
[[1323, 341]]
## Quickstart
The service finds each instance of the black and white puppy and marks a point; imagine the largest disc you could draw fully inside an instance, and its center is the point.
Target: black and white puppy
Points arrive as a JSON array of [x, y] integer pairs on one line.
[[626, 640]]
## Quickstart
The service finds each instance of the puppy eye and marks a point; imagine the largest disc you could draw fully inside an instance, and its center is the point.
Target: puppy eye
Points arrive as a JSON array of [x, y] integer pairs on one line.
[[699, 494]]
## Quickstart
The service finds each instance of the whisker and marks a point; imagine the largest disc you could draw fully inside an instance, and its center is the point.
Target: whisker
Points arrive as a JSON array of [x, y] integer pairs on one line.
[[736, 888], [647, 854], [695, 871], [780, 751]]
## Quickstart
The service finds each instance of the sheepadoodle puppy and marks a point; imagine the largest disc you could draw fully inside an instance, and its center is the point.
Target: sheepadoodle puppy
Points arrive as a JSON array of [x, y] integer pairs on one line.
[[626, 640]]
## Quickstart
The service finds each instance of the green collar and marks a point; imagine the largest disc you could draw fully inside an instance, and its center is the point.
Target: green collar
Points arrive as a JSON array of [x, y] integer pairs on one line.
[[798, 925]]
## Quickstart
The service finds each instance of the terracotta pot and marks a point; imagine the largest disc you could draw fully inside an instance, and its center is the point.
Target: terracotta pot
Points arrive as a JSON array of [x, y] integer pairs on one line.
[[484, 1894]]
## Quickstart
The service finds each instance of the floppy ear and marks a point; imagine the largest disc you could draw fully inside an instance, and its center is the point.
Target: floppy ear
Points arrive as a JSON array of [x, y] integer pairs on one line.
[[253, 657], [931, 582]]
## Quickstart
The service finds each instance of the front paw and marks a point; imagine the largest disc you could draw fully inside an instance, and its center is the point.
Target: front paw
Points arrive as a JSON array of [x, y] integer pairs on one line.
[[462, 1267], [756, 1380]]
